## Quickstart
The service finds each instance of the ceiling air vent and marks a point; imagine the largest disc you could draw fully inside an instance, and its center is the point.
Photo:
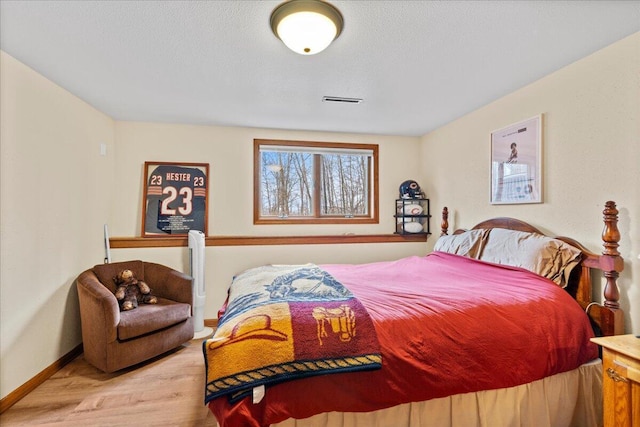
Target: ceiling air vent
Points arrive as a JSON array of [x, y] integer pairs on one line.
[[341, 100]]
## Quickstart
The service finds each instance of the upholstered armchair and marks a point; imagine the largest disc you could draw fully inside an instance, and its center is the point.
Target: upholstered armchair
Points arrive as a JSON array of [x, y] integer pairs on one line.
[[113, 339]]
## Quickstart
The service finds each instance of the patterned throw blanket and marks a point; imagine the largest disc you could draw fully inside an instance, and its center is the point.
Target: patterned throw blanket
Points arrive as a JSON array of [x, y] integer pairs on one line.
[[286, 322]]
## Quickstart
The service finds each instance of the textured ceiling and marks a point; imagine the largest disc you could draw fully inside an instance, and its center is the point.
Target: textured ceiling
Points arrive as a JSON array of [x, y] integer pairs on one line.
[[416, 64]]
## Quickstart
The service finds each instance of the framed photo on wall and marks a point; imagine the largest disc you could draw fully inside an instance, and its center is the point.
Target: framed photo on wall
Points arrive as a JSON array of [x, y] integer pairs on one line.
[[175, 198], [516, 163]]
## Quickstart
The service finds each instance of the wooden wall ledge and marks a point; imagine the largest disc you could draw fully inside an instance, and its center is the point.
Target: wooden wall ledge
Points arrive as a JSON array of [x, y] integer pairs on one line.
[[166, 242]]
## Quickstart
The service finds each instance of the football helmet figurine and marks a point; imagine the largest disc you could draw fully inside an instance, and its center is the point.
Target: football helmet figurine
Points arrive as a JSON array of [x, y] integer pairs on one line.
[[410, 190]]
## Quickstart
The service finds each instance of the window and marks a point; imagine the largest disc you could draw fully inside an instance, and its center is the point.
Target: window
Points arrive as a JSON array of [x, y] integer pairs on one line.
[[315, 182]]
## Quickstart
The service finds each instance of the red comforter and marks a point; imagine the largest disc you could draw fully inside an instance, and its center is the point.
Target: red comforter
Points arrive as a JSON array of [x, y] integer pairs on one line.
[[446, 325]]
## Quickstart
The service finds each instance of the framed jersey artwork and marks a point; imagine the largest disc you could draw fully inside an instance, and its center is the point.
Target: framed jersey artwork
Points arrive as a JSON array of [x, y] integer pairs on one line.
[[175, 198]]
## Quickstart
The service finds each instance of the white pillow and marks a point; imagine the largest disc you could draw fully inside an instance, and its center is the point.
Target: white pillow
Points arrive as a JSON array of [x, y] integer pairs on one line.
[[548, 257], [467, 244]]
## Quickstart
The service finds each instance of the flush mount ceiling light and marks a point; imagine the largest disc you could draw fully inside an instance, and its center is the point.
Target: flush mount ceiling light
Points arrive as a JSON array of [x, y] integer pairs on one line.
[[306, 26]]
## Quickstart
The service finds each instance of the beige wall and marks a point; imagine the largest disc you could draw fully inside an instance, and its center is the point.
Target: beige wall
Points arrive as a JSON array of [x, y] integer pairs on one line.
[[591, 154], [55, 195]]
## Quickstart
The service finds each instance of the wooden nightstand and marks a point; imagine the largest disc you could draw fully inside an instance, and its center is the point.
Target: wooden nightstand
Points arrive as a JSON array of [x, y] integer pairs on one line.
[[621, 380]]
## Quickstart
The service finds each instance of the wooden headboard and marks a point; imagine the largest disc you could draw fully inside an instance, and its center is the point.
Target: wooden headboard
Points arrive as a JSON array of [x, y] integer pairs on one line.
[[608, 315]]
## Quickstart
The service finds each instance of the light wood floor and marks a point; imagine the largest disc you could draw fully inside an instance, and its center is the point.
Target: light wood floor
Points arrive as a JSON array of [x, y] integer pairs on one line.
[[166, 391]]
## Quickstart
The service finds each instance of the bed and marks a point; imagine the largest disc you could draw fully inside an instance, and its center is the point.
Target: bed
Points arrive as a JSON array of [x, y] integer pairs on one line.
[[467, 335]]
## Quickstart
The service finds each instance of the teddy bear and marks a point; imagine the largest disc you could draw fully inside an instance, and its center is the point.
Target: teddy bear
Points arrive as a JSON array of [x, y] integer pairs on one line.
[[130, 291]]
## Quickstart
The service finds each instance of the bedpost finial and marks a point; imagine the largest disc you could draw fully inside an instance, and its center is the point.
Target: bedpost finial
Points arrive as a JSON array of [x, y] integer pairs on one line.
[[610, 234], [444, 225]]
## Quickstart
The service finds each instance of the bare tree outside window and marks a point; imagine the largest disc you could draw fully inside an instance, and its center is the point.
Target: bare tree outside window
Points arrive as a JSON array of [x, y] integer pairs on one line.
[[314, 182], [344, 185], [285, 189]]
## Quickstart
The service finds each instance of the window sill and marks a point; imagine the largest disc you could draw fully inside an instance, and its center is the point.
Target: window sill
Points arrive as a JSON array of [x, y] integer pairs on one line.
[[166, 242]]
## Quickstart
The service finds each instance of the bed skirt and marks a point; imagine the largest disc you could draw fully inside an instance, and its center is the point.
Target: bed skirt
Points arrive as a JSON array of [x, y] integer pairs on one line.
[[572, 398]]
